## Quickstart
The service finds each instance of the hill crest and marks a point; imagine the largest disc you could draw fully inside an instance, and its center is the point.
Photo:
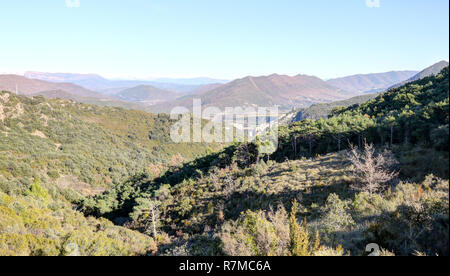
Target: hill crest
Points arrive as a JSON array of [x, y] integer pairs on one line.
[[273, 90]]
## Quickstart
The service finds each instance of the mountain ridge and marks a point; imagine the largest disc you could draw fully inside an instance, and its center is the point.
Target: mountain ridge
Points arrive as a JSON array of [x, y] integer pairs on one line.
[[146, 94], [67, 91], [99, 83], [281, 90], [29, 86], [427, 72], [371, 83]]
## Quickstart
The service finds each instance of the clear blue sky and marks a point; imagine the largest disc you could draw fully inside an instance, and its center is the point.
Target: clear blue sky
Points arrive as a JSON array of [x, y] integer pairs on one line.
[[222, 38]]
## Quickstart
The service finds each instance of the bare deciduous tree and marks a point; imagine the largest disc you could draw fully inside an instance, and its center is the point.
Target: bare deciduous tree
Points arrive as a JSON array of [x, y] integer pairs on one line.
[[372, 170]]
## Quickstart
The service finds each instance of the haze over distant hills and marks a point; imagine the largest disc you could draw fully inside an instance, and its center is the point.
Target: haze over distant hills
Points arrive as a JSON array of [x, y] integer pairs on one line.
[[281, 90], [28, 86], [287, 92], [99, 83], [371, 83], [318, 111], [146, 94], [190, 81], [70, 91]]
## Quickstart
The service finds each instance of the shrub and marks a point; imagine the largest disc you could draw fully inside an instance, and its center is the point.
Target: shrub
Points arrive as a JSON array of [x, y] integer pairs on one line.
[[37, 191], [336, 217]]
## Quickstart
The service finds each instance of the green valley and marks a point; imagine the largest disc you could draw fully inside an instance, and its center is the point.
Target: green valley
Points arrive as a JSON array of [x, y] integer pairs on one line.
[[314, 195]]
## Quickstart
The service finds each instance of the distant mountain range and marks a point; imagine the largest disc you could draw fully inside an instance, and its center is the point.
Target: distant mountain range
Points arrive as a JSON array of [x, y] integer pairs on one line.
[[99, 101], [371, 83], [161, 95], [52, 90], [284, 91], [99, 83], [192, 81], [318, 111], [146, 94], [28, 86]]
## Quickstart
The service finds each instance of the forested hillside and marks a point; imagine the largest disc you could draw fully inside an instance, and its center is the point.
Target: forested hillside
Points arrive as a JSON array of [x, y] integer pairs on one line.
[[42, 222], [374, 173], [414, 114], [53, 153], [80, 145], [427, 72], [322, 111]]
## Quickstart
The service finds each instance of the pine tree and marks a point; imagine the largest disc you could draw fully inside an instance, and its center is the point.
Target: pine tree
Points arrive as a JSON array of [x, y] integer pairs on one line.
[[299, 235]]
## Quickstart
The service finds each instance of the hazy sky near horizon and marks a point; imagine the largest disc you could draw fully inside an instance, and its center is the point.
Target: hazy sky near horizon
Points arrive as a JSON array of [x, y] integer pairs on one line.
[[222, 38]]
